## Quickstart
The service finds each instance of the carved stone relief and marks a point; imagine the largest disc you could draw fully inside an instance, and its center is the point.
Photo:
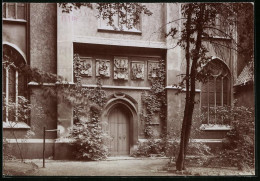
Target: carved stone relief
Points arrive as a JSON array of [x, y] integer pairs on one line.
[[121, 68], [86, 66], [103, 67], [152, 69], [137, 70]]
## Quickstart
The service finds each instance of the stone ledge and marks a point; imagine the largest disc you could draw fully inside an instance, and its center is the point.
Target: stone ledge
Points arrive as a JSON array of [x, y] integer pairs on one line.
[[179, 88], [138, 32], [215, 127], [191, 140], [24, 140], [15, 125], [119, 42]]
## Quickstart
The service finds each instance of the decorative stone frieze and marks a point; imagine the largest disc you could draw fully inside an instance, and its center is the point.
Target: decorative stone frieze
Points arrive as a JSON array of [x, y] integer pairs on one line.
[[86, 66], [103, 67], [137, 70], [152, 69], [121, 68]]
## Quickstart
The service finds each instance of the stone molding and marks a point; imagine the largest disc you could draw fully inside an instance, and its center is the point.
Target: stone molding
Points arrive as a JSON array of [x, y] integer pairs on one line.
[[119, 42]]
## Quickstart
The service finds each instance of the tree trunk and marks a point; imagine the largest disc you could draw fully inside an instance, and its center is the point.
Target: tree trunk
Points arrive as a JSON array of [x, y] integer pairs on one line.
[[190, 89], [181, 156]]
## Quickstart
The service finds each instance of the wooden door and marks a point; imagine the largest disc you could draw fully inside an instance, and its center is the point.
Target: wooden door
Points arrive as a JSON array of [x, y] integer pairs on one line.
[[119, 131]]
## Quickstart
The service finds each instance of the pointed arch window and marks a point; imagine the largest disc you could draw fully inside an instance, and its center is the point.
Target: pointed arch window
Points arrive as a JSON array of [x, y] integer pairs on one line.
[[215, 91]]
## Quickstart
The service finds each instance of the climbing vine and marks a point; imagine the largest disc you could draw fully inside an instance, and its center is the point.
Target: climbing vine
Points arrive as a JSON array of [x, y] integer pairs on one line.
[[89, 139], [154, 100]]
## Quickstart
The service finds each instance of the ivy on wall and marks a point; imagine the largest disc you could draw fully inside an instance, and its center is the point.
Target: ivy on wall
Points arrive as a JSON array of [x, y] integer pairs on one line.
[[89, 139], [154, 100]]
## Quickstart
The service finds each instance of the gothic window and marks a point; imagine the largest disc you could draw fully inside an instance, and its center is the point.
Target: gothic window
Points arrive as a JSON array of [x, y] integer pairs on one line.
[[14, 11], [223, 24], [123, 18], [13, 83], [215, 91]]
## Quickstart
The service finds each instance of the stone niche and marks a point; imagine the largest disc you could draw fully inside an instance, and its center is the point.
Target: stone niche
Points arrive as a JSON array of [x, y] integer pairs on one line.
[[153, 67], [103, 67], [121, 68], [137, 69], [87, 66]]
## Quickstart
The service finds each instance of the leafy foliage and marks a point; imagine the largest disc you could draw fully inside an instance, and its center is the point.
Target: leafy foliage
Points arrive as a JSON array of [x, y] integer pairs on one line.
[[154, 100], [109, 10], [88, 137], [15, 111], [20, 111], [74, 94], [149, 148], [164, 146], [68, 7], [168, 145], [238, 146], [203, 22]]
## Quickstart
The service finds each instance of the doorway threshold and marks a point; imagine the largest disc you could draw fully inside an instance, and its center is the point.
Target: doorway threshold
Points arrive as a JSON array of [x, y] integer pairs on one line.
[[112, 158]]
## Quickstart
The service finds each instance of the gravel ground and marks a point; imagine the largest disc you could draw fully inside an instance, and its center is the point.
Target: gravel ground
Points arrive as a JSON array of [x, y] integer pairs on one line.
[[112, 167], [118, 167]]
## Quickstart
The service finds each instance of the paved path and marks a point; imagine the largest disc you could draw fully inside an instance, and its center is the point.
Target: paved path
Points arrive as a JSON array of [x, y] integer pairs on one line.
[[111, 167], [127, 166]]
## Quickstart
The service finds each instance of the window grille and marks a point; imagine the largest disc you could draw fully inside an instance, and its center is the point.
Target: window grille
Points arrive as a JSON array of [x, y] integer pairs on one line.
[[215, 92]]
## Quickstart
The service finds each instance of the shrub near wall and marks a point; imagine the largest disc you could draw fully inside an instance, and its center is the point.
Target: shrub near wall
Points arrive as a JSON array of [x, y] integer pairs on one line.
[[198, 153], [89, 140], [238, 145]]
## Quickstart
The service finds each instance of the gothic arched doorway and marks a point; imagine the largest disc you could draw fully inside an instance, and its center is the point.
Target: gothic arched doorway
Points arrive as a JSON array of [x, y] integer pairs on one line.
[[119, 130]]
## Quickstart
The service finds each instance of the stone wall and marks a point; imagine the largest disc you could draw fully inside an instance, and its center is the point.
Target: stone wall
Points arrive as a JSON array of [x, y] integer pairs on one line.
[[43, 51], [43, 36], [15, 33], [245, 95]]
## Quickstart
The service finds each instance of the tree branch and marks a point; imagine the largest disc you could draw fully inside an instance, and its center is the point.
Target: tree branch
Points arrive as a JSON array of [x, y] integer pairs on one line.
[[210, 27]]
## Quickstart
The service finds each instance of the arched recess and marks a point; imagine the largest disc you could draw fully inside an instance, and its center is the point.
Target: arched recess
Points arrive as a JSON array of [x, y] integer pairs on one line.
[[121, 100], [14, 81], [10, 46]]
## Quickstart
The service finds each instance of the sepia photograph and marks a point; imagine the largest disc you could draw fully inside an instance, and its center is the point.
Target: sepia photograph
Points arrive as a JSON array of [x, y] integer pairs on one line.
[[128, 89]]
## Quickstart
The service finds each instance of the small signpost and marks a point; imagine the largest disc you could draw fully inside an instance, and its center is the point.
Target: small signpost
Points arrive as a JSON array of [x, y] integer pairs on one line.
[[43, 152]]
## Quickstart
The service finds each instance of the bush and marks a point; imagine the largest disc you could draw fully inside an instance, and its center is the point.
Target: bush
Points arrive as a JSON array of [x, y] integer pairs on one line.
[[153, 147], [238, 146], [169, 146], [89, 140], [149, 148]]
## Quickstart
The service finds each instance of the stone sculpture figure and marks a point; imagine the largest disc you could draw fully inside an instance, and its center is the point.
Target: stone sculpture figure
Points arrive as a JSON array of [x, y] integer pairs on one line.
[[86, 67], [152, 69], [137, 70], [103, 68], [121, 68]]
